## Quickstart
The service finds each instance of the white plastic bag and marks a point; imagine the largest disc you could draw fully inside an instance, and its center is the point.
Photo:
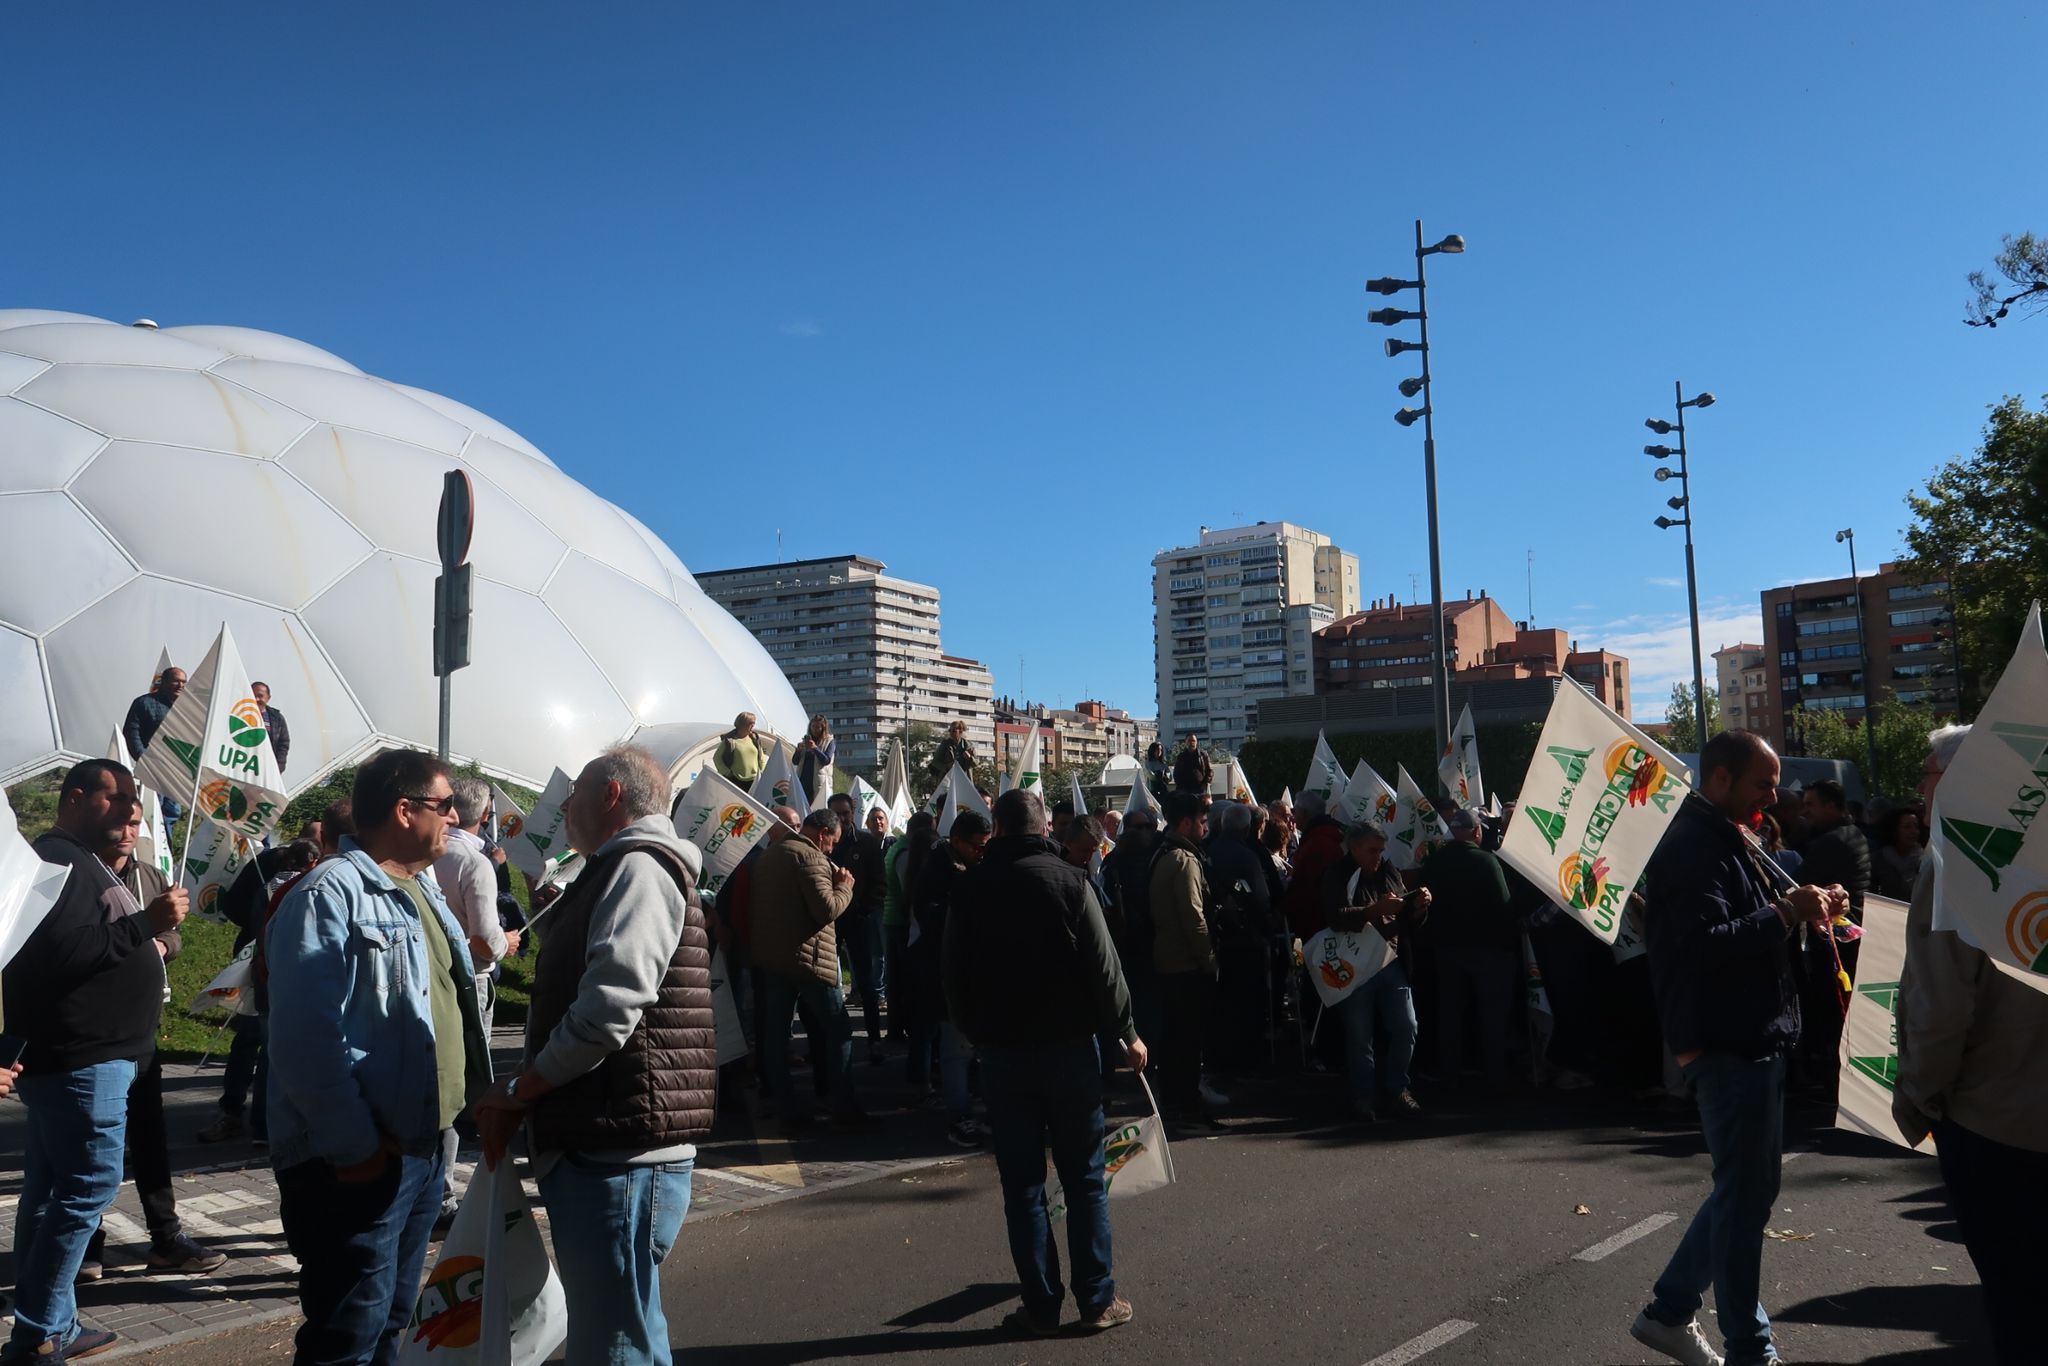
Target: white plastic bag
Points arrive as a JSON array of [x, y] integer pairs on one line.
[[493, 1298], [1134, 1159]]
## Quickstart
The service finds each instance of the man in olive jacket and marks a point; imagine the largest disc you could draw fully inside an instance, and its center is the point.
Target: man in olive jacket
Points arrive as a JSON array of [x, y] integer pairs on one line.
[[1183, 952], [798, 894]]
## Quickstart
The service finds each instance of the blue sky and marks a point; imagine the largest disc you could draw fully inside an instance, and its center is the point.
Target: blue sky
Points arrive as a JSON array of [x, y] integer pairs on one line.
[[1012, 296]]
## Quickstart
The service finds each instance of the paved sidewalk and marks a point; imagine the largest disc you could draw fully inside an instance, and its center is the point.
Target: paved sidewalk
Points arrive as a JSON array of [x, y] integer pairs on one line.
[[227, 1197]]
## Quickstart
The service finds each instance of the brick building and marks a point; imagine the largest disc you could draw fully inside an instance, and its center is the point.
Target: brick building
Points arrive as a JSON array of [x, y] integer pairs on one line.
[[1816, 656]]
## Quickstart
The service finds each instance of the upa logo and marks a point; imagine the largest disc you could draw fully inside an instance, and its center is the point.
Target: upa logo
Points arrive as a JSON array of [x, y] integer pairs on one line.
[[1336, 969], [1583, 881], [1383, 807], [737, 820], [1650, 782], [224, 801], [209, 902], [242, 751], [509, 826], [2026, 930], [449, 1311], [1117, 1153]]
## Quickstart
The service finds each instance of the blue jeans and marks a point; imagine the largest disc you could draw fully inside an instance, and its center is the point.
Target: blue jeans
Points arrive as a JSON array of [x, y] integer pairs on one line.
[[1383, 999], [613, 1227], [361, 1247], [70, 1172], [1040, 1095], [860, 947], [824, 1008], [1742, 1111]]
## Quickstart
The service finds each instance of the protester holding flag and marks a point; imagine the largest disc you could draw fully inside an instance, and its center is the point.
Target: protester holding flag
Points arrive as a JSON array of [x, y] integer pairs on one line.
[[1182, 901], [1973, 1071], [377, 1047], [815, 755], [84, 994], [1360, 890], [1032, 979], [798, 897], [859, 931], [620, 1076], [740, 755], [1719, 935]]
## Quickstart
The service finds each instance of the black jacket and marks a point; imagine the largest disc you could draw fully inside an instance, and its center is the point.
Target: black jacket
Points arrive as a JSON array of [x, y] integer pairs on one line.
[[1191, 771], [1839, 854], [84, 989], [280, 735], [1718, 949], [861, 854], [1027, 956], [138, 728]]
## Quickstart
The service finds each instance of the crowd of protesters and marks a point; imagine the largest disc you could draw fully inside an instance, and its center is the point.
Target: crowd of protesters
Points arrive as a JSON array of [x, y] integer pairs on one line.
[[1021, 959]]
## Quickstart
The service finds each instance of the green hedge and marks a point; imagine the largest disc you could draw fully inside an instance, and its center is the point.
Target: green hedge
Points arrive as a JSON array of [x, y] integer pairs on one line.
[[1504, 753]]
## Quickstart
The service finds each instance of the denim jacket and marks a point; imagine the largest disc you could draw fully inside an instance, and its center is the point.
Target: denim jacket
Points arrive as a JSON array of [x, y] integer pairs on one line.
[[351, 1029]]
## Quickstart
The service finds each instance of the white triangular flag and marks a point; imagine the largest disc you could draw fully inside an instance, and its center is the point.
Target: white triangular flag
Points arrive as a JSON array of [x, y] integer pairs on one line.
[[1417, 830], [1287, 797], [1325, 774], [540, 841], [777, 785], [1238, 787], [1141, 798], [1596, 801], [1368, 797], [507, 820], [961, 796], [1458, 768], [214, 858], [1991, 874], [896, 779], [212, 752], [1076, 795], [29, 887], [1030, 770], [1003, 783], [723, 822], [865, 799]]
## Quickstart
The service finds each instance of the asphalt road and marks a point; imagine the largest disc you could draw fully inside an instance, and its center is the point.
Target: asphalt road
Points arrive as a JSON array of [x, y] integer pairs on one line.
[[1454, 1240]]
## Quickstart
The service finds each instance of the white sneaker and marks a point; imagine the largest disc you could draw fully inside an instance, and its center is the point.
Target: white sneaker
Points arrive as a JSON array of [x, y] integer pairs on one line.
[[1687, 1344]]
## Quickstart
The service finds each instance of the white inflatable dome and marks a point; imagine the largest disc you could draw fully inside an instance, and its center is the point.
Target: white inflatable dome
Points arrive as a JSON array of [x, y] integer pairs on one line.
[[155, 483]]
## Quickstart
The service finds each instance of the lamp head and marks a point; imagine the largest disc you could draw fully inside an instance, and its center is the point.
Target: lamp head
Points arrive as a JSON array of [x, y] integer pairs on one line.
[[1675, 504], [1658, 451], [1395, 346], [1703, 401], [1387, 284], [1846, 534], [1665, 523], [1658, 425], [1453, 245], [1387, 317], [1411, 386], [1406, 417], [1665, 472]]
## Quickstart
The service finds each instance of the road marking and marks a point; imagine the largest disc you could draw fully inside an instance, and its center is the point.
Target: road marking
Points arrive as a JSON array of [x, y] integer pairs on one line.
[[1416, 1348], [1796, 1154], [725, 1174], [1608, 1246]]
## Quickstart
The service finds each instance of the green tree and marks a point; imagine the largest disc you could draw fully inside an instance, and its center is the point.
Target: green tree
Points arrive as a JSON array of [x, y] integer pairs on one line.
[[1982, 525], [2023, 261], [1901, 734], [1683, 718]]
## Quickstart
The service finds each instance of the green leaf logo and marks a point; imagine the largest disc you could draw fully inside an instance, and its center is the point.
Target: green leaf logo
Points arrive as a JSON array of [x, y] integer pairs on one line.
[[1990, 847], [1549, 822]]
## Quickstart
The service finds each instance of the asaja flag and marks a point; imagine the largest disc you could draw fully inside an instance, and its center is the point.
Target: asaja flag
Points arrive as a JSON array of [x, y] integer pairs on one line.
[[1030, 770], [1870, 1038], [541, 841], [1367, 797], [214, 858], [1135, 1159], [723, 822], [1339, 962], [1991, 874], [507, 820], [492, 1298], [212, 750], [961, 796], [777, 785], [1325, 774], [1458, 770], [232, 988], [1417, 830], [1598, 797], [29, 887], [865, 799], [1240, 787], [1141, 798]]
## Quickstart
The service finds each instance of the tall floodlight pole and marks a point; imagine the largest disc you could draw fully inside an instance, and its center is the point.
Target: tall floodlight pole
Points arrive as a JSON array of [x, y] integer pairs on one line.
[[1451, 245], [1848, 534], [1683, 503]]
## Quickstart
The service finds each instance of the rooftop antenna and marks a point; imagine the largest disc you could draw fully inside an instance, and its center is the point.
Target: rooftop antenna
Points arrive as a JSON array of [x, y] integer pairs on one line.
[[1414, 588], [1532, 586], [780, 558]]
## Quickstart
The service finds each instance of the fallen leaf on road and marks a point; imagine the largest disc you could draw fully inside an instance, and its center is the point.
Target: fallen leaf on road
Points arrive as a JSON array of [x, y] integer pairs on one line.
[[1786, 1235], [1582, 1209]]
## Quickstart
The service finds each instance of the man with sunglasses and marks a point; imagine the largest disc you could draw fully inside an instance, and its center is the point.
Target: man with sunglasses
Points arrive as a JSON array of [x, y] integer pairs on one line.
[[376, 1046]]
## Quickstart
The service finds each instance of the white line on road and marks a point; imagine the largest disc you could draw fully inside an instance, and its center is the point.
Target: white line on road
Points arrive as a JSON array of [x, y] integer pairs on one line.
[[1796, 1154], [742, 1180], [1608, 1246], [1416, 1348]]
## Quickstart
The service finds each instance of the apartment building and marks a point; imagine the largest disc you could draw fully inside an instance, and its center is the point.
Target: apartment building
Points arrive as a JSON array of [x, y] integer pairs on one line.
[[1818, 652], [1744, 686], [1233, 617], [860, 646]]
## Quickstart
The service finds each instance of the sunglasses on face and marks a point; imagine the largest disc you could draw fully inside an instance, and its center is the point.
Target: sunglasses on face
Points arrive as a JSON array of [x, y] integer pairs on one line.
[[439, 805]]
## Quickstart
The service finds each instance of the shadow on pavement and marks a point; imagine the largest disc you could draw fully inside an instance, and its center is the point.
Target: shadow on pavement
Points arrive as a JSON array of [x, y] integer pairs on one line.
[[961, 1304], [1953, 1313]]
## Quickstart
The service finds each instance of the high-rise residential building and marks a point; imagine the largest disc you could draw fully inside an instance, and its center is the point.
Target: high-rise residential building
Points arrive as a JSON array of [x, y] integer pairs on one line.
[[860, 646], [1743, 685], [1393, 645], [1085, 734], [1225, 626], [1816, 657]]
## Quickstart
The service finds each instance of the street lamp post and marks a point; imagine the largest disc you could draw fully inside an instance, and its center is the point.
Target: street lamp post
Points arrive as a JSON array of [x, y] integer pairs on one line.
[[1848, 534], [1683, 503], [1451, 245]]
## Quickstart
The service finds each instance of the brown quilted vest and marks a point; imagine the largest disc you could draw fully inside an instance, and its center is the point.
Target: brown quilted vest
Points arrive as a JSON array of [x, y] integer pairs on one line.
[[662, 1087]]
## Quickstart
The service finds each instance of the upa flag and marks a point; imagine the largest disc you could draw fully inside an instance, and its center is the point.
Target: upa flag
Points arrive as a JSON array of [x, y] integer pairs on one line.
[[214, 858], [865, 799], [777, 785], [28, 886], [1458, 770], [1367, 798], [1596, 801], [212, 750], [1417, 830], [1076, 795], [723, 822], [1870, 1034], [1030, 770], [541, 841], [961, 796], [1325, 774], [1340, 961], [1240, 787], [1991, 878], [1141, 798], [152, 846], [507, 820], [492, 1298]]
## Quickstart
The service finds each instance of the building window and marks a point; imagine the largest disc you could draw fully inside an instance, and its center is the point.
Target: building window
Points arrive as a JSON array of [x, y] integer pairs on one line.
[[1920, 616]]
